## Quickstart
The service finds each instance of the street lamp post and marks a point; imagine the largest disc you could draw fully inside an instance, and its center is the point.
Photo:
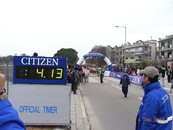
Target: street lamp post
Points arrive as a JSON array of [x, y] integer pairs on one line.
[[122, 60], [124, 28]]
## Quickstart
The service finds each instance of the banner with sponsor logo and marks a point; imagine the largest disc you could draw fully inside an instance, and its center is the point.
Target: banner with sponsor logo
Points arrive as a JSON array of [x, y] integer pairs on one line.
[[134, 79]]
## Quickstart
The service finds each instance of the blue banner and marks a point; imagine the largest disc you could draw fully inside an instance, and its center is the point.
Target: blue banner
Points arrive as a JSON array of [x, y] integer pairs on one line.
[[134, 79]]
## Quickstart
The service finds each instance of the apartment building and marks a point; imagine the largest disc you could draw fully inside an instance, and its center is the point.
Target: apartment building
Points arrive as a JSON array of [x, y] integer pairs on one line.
[[134, 53], [116, 55], [139, 51], [159, 52], [165, 51]]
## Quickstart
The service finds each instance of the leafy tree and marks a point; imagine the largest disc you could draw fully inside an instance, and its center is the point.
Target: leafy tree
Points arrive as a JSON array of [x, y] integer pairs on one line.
[[68, 53], [6, 59], [146, 63], [97, 60]]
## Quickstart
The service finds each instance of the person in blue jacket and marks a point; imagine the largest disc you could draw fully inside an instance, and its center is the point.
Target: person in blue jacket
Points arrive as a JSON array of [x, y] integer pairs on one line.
[[125, 81], [9, 119], [155, 111]]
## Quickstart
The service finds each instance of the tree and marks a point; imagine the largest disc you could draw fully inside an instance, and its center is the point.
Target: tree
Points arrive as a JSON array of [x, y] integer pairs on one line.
[[145, 63], [96, 60], [68, 53], [6, 59]]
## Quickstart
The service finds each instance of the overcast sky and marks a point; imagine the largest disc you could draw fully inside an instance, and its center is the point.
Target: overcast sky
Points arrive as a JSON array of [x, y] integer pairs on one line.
[[46, 26]]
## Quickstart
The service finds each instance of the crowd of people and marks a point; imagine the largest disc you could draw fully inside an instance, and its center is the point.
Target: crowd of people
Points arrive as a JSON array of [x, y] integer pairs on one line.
[[164, 73], [77, 75], [155, 111], [80, 74]]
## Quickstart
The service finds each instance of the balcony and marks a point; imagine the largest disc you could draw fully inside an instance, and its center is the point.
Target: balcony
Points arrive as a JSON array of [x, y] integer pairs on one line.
[[164, 49], [138, 59]]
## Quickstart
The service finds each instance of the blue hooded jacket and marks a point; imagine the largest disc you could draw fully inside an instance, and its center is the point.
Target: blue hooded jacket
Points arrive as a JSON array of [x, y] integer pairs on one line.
[[155, 112], [125, 80], [9, 119]]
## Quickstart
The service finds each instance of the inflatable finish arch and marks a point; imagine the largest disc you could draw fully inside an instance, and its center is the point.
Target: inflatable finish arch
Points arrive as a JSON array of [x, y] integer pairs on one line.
[[89, 55]]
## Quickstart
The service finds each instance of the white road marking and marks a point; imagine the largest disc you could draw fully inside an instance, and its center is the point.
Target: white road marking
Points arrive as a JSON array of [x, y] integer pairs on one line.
[[120, 89], [166, 88], [105, 81], [116, 86], [140, 98]]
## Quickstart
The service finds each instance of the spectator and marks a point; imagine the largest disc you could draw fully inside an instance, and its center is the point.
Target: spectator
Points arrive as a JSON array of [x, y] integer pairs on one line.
[[168, 72], [101, 75], [35, 54], [155, 111], [171, 86], [9, 119], [162, 75], [74, 79], [87, 72]]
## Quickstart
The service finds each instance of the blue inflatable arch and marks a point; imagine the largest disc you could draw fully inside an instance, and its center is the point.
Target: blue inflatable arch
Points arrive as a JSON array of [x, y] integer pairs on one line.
[[89, 55]]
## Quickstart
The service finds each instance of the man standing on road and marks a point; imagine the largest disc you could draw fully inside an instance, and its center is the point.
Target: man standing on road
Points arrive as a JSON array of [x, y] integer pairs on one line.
[[74, 79], [125, 81], [162, 72], [168, 73], [87, 73], [101, 75], [155, 111]]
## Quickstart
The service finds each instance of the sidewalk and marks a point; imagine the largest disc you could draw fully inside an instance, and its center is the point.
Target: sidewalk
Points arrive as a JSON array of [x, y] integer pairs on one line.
[[78, 114]]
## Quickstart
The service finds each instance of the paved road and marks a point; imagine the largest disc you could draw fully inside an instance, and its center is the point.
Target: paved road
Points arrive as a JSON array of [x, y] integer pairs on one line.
[[105, 106]]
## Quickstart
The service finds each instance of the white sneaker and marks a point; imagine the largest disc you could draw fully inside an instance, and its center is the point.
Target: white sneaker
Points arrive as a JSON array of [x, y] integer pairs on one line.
[[124, 98]]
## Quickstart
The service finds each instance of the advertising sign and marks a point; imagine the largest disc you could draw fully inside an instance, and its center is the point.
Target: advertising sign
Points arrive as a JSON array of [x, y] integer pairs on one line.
[[39, 70], [39, 91], [39, 104]]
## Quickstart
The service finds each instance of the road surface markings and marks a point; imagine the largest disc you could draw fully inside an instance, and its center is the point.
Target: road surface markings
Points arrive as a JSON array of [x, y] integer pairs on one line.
[[140, 98], [116, 86], [105, 81], [120, 89]]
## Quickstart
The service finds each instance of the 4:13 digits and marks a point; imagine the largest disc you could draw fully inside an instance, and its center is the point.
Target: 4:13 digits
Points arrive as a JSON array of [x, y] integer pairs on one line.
[[50, 73]]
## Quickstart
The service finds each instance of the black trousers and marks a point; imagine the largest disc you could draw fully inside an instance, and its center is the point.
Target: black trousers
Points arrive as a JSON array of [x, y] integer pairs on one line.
[[101, 79], [169, 78], [74, 86], [125, 91]]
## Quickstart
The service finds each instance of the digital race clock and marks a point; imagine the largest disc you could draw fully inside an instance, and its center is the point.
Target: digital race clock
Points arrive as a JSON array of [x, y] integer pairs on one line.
[[39, 70]]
